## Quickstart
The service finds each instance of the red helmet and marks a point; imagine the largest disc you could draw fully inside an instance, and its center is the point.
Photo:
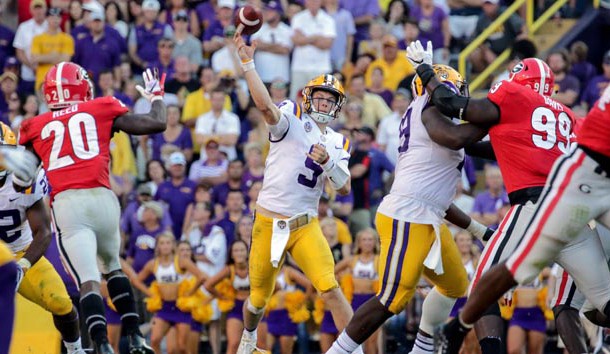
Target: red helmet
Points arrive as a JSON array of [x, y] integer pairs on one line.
[[535, 74], [65, 84]]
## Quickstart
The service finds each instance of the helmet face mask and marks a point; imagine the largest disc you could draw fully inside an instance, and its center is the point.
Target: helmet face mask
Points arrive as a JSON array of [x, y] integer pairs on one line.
[[66, 84], [326, 83], [447, 75]]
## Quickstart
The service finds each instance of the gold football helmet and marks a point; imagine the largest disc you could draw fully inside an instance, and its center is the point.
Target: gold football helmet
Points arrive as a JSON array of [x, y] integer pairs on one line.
[[444, 73], [327, 83], [7, 137]]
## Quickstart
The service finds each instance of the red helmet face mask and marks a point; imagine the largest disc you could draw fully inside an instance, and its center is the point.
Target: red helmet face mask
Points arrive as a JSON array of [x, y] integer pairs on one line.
[[535, 74], [66, 84]]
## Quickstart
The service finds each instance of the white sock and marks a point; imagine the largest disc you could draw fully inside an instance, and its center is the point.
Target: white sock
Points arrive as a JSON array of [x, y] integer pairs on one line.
[[72, 347], [250, 335], [343, 345], [423, 345], [435, 311]]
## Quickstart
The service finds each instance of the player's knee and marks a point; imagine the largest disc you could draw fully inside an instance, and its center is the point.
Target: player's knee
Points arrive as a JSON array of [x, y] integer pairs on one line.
[[258, 299], [58, 305], [458, 289], [557, 310], [598, 318]]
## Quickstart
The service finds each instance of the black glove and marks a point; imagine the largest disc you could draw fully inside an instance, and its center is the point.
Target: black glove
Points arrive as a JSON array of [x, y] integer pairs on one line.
[[488, 234]]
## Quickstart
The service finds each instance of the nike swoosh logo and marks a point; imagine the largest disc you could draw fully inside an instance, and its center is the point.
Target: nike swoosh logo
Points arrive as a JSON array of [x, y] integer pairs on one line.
[[338, 147], [12, 200]]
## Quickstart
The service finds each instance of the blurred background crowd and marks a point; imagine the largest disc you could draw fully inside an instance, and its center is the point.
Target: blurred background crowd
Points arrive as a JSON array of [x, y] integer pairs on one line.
[[207, 168]]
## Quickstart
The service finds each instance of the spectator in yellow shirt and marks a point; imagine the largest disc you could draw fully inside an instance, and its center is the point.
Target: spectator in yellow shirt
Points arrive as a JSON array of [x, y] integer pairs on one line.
[[374, 107], [393, 63], [51, 47]]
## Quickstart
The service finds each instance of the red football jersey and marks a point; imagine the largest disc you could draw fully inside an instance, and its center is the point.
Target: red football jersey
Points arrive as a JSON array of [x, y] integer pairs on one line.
[[74, 143], [595, 130], [533, 131]]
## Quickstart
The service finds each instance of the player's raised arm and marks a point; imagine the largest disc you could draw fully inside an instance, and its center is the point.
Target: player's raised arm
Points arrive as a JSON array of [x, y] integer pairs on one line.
[[258, 91], [154, 121], [445, 132], [480, 111]]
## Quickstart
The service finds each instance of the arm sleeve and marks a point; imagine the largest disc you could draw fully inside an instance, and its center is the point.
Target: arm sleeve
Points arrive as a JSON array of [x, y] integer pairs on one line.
[[288, 109]]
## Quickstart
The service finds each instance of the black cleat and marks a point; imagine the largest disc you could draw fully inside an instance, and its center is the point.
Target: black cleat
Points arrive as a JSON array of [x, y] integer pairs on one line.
[[449, 337], [137, 345], [104, 348]]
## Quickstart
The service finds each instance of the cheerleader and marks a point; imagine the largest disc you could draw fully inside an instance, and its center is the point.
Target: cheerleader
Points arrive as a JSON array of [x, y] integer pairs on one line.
[[236, 272], [362, 270], [168, 270], [280, 325]]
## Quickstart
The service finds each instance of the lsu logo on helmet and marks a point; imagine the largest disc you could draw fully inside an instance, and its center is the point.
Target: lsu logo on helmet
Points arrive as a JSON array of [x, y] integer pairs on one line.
[[445, 74], [7, 137], [326, 83]]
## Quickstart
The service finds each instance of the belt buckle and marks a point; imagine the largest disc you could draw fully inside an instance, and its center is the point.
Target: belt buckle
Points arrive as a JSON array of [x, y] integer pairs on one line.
[[299, 222]]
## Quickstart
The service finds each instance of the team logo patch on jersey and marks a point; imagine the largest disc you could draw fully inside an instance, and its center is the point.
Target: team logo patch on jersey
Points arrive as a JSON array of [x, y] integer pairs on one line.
[[281, 224], [307, 127]]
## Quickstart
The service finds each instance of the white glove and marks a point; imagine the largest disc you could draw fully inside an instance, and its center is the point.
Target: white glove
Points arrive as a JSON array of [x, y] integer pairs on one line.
[[153, 86], [417, 55], [21, 162]]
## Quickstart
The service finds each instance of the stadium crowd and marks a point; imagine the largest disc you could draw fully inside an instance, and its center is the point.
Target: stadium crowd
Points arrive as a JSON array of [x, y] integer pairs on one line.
[[190, 191]]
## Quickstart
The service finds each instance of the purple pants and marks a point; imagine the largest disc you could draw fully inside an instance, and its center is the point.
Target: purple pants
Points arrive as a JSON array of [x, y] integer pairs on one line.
[[279, 323], [196, 326], [359, 299], [529, 318], [172, 314], [458, 306], [328, 325], [112, 317], [238, 311]]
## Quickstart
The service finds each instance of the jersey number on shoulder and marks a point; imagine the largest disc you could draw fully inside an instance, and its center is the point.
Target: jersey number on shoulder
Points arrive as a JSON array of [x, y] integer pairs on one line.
[[545, 122], [83, 137], [405, 131], [9, 220]]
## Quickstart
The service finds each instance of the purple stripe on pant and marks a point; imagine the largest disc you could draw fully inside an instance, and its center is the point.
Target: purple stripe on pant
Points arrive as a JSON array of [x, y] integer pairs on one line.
[[359, 299], [172, 314], [529, 318], [8, 281], [112, 317], [328, 325], [279, 323], [459, 303], [238, 311]]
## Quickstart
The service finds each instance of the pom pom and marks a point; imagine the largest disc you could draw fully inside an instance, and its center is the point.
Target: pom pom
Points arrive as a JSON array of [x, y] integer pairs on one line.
[[153, 304], [347, 286], [318, 312], [300, 315]]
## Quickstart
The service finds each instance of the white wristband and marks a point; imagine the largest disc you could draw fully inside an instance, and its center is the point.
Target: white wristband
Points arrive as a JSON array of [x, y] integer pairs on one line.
[[24, 263], [156, 98], [23, 184], [476, 228], [247, 65]]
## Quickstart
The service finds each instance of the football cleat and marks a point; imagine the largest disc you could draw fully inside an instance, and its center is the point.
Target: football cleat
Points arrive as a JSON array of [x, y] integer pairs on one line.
[[449, 337], [104, 348], [137, 345], [248, 346]]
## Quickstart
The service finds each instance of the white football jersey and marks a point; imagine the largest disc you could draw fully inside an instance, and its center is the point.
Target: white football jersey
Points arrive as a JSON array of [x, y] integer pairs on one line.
[[14, 226], [293, 182], [426, 173]]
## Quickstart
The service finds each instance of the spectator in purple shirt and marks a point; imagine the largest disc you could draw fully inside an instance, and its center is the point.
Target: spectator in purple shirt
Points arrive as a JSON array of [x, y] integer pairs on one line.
[[488, 203], [363, 12], [255, 164], [581, 68], [206, 14], [377, 86], [214, 36], [569, 86], [177, 6], [178, 192], [106, 85], [96, 51], [6, 44], [81, 31], [235, 172], [144, 38], [597, 84], [165, 62], [379, 164], [213, 169], [234, 211], [175, 137], [142, 243], [433, 26]]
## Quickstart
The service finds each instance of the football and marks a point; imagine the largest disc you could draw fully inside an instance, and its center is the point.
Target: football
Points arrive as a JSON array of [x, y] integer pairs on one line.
[[248, 20]]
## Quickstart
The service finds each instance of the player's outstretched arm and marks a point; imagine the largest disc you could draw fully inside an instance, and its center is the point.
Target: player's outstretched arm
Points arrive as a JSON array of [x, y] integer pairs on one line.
[[154, 121], [482, 149], [460, 219], [258, 91], [479, 111], [445, 132], [38, 218]]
